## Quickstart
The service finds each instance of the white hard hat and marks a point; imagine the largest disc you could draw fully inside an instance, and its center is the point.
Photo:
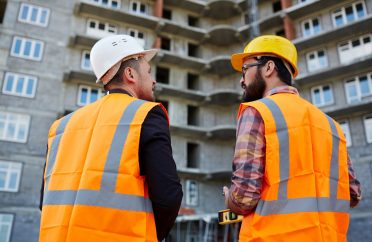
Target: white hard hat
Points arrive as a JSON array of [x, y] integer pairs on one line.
[[108, 53]]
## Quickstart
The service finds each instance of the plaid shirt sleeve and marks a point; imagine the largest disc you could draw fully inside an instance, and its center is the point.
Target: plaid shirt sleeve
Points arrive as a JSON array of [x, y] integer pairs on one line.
[[248, 163], [355, 191]]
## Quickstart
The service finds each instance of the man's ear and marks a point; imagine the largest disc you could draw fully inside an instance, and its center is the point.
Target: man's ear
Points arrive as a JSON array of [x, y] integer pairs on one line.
[[129, 74], [269, 68]]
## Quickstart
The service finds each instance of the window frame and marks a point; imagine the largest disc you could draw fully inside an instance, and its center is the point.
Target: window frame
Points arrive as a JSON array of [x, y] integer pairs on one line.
[[10, 224], [342, 11], [107, 27], [83, 61], [369, 116], [321, 90], [28, 20], [141, 41], [16, 77], [356, 81], [138, 10], [80, 104], [13, 167], [21, 53], [188, 200], [347, 45], [25, 122], [109, 5], [345, 125], [316, 54], [311, 26]]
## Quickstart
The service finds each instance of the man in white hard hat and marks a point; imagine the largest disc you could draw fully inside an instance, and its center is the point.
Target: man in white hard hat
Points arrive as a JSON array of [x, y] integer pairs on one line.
[[110, 174]]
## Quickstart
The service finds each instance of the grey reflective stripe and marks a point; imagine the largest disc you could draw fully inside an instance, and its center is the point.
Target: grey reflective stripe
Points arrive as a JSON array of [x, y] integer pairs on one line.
[[296, 205], [283, 139], [95, 198], [334, 160], [110, 172], [54, 147]]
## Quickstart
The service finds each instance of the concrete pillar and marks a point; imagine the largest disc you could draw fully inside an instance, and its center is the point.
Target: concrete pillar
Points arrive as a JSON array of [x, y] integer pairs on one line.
[[287, 22], [158, 12]]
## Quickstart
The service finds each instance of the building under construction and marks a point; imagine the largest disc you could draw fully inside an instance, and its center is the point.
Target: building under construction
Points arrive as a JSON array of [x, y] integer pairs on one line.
[[45, 73]]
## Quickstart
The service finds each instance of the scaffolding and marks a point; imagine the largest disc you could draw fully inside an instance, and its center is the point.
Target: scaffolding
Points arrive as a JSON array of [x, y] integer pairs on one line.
[[203, 228]]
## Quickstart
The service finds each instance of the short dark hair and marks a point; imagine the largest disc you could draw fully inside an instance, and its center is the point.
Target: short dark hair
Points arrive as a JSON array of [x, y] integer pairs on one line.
[[283, 73], [133, 63]]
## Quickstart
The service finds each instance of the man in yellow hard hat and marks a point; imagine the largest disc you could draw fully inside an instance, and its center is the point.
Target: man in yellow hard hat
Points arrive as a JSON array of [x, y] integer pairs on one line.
[[110, 175], [292, 178]]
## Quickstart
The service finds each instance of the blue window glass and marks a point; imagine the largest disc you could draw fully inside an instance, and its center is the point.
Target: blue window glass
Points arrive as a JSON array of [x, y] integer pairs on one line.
[[83, 96], [317, 100], [24, 12], [316, 26], [339, 20], [115, 4], [27, 49], [17, 46], [43, 16], [21, 133], [105, 2], [37, 51], [349, 14], [34, 12], [13, 181], [364, 85], [352, 92], [327, 94], [2, 180], [20, 83], [94, 95], [30, 86], [11, 130], [9, 83], [360, 10]]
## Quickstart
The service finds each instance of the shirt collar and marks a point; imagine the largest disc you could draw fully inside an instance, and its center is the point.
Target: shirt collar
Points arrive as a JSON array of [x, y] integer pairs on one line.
[[282, 89], [118, 91]]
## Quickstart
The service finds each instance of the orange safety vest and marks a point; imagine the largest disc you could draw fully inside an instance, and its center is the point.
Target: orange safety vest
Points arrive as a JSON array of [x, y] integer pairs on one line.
[[93, 189], [305, 195]]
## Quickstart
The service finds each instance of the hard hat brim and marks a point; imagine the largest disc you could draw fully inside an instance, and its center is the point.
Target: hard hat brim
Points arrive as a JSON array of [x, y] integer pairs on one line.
[[147, 55]]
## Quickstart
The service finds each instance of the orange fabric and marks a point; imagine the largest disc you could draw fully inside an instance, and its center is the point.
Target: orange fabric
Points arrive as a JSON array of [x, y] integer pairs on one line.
[[310, 152], [79, 165]]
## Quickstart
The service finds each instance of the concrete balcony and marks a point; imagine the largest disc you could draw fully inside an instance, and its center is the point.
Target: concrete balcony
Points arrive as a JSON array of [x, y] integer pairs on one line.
[[146, 21], [181, 60], [223, 97], [196, 6], [167, 26], [225, 132], [221, 9], [82, 41], [222, 35], [192, 173], [220, 65], [272, 20], [84, 77], [360, 65], [341, 33], [301, 9], [361, 108], [164, 89]]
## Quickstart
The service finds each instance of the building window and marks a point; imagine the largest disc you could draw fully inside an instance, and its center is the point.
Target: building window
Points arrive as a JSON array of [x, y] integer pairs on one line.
[[100, 29], [138, 7], [345, 128], [192, 155], [277, 6], [108, 3], [166, 44], [322, 95], [349, 14], [192, 81], [192, 50], [6, 223], [138, 35], [14, 127], [85, 61], [167, 14], [88, 95], [355, 48], [193, 21], [368, 128], [2, 10], [32, 14], [10, 175], [19, 85], [192, 115], [162, 75], [27, 48], [316, 60], [311, 27], [359, 87], [280, 32], [192, 194]]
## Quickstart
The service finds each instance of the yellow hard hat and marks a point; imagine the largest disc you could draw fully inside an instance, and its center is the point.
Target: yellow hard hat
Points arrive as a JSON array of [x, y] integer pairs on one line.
[[268, 45]]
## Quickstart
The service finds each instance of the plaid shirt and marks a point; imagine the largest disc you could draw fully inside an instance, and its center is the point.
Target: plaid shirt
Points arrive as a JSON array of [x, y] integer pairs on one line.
[[249, 161]]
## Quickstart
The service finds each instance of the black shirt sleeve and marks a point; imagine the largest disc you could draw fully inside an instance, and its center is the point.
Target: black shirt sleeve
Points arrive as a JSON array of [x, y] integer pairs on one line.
[[157, 164]]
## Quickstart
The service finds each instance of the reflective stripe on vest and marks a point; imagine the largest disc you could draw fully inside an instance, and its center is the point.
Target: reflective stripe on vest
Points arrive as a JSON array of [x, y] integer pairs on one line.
[[285, 205], [94, 197]]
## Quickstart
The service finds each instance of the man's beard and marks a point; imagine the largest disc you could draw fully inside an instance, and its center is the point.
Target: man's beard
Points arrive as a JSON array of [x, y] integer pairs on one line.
[[255, 90]]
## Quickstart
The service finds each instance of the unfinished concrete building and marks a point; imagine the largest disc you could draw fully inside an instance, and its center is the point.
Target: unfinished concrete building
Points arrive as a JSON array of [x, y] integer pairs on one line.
[[45, 73]]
